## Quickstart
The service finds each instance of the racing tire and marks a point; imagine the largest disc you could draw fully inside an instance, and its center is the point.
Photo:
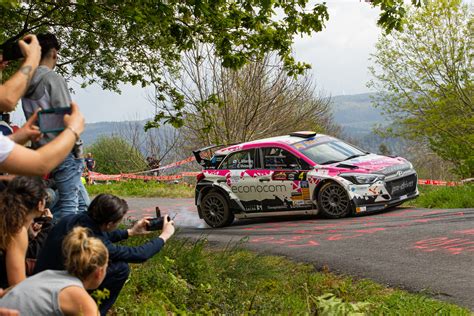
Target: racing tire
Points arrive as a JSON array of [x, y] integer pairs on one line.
[[333, 201], [215, 210]]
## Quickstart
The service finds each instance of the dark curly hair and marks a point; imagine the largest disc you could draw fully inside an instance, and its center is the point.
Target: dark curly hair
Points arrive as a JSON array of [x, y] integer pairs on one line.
[[20, 198]]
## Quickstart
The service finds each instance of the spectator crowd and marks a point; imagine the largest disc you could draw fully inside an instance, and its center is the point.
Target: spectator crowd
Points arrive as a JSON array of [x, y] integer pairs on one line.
[[56, 246]]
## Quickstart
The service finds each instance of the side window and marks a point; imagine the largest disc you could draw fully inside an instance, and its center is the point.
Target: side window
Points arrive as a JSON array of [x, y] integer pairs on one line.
[[239, 160], [279, 159]]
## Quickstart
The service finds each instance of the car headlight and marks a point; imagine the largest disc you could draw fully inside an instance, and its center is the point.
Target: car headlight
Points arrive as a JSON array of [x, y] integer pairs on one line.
[[362, 178]]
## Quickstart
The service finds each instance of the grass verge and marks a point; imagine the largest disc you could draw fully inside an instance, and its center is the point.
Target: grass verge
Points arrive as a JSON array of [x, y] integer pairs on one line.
[[188, 277], [139, 188], [444, 197]]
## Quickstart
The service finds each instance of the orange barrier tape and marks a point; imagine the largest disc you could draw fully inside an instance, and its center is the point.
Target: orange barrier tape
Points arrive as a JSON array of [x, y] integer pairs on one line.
[[118, 177], [171, 165], [104, 177], [438, 182]]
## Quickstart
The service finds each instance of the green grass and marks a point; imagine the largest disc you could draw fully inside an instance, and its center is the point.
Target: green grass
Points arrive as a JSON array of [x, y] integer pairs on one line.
[[189, 277], [139, 188], [444, 197]]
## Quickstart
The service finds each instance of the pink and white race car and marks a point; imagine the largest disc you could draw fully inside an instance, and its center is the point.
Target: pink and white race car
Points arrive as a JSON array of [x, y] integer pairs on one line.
[[300, 173]]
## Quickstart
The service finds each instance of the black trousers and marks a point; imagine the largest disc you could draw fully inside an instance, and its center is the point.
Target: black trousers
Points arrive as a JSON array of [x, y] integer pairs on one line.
[[117, 274]]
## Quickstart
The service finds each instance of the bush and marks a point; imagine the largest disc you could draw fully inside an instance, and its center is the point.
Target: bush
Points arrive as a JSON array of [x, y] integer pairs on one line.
[[115, 155]]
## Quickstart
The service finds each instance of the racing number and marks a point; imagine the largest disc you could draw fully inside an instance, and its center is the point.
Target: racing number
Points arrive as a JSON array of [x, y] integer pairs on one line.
[[302, 176]]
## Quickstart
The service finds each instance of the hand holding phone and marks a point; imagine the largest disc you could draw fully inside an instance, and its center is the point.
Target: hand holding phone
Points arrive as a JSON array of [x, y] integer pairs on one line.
[[29, 131], [75, 120], [52, 120]]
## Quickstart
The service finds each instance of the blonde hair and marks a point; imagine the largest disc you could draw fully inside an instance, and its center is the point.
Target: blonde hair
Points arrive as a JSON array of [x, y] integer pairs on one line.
[[83, 254]]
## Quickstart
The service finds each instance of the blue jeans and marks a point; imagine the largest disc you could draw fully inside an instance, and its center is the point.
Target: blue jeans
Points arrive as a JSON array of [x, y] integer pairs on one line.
[[72, 195]]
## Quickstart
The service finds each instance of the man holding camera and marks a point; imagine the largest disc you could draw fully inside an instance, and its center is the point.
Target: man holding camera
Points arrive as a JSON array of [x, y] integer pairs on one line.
[[48, 90]]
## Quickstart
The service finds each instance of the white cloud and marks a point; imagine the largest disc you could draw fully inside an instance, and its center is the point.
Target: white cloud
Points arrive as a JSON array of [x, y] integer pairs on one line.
[[339, 54]]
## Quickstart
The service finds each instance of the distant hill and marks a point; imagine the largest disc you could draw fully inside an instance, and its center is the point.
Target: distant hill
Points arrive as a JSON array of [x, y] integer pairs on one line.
[[354, 113], [93, 131], [358, 118]]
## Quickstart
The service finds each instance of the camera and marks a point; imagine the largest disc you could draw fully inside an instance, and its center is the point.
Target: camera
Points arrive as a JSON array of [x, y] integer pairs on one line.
[[12, 51], [156, 223]]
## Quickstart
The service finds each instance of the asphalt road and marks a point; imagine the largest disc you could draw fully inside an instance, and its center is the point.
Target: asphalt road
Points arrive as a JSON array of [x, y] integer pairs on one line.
[[420, 250]]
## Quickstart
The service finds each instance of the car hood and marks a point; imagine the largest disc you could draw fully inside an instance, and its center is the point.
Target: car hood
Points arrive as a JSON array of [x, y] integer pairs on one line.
[[373, 163]]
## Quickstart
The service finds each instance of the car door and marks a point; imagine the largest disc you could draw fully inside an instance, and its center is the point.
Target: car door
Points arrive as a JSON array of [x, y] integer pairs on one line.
[[242, 180], [287, 185]]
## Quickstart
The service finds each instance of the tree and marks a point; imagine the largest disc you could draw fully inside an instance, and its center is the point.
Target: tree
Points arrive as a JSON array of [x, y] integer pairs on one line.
[[163, 144], [423, 76], [115, 155], [139, 42], [225, 106]]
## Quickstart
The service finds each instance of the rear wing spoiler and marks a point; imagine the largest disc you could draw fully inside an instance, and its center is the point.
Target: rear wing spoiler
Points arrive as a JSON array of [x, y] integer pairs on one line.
[[205, 162]]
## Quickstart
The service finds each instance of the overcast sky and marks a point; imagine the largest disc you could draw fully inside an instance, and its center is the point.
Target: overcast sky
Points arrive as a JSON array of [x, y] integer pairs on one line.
[[338, 55]]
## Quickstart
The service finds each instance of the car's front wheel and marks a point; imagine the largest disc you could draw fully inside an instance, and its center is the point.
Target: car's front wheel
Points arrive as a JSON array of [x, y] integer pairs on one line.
[[333, 201], [215, 210]]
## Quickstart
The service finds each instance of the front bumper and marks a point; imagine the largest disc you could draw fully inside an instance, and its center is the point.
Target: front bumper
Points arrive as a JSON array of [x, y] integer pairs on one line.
[[385, 194], [363, 208]]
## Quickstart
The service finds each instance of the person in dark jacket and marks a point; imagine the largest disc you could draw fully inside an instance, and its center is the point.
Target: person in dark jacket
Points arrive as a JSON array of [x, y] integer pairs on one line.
[[104, 214]]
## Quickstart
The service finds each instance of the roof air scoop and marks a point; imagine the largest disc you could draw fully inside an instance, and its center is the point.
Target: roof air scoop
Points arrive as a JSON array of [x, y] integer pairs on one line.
[[303, 134]]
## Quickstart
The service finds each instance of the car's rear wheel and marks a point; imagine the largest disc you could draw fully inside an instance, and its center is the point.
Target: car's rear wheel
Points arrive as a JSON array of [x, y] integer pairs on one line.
[[215, 210], [333, 201]]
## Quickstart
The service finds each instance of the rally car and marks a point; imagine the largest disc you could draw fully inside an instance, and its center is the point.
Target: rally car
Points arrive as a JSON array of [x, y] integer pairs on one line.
[[300, 173]]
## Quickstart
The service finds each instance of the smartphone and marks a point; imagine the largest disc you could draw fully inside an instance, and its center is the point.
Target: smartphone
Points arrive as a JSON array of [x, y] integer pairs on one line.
[[52, 120]]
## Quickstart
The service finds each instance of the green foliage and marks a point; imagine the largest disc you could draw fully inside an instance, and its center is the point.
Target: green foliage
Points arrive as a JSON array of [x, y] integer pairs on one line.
[[444, 197], [100, 295], [189, 277], [424, 79], [141, 42], [114, 155], [329, 304], [139, 188], [393, 13]]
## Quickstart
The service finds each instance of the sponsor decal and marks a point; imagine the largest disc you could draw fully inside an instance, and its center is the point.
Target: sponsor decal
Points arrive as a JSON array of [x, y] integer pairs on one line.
[[305, 190], [289, 175], [279, 176], [258, 188], [257, 207], [395, 169], [299, 146], [402, 186]]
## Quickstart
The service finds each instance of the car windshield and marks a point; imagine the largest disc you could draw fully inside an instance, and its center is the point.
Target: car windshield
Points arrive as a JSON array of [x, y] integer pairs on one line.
[[331, 152]]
